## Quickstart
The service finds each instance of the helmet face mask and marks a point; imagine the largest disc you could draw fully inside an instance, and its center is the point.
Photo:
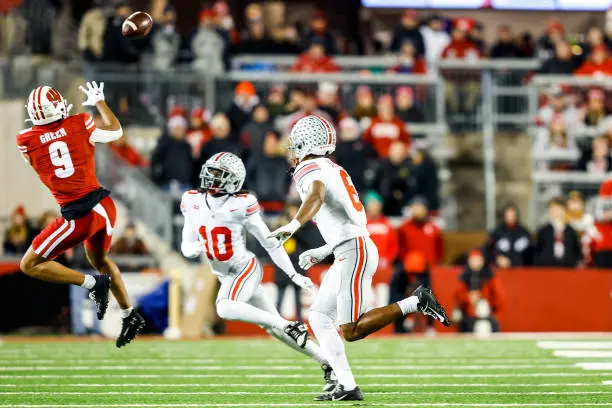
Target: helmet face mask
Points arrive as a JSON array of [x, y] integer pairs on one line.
[[223, 173]]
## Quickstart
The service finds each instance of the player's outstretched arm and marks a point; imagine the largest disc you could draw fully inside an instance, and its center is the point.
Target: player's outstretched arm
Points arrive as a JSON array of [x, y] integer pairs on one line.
[[110, 130], [258, 228], [309, 208]]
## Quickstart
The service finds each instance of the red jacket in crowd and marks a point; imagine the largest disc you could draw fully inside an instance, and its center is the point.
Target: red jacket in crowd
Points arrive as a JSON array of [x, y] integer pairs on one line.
[[490, 290], [305, 63], [460, 49], [598, 244], [386, 240], [590, 68], [381, 134], [422, 237]]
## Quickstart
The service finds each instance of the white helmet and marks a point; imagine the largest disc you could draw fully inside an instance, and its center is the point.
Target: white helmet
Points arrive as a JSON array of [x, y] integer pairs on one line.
[[223, 173], [311, 135], [46, 105]]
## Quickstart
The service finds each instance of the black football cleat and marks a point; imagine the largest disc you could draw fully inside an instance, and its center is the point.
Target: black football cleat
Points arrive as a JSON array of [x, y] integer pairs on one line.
[[131, 326], [429, 305], [298, 332], [339, 394], [99, 294], [329, 376]]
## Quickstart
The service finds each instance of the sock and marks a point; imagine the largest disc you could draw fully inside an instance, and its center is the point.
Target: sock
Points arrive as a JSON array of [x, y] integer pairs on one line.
[[126, 312], [311, 349], [333, 348], [409, 305], [89, 282], [244, 312]]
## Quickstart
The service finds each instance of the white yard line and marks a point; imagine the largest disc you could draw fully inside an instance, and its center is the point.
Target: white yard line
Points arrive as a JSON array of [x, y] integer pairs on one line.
[[150, 393], [189, 367], [298, 358], [376, 375], [580, 345], [294, 385], [583, 353], [426, 404], [595, 366]]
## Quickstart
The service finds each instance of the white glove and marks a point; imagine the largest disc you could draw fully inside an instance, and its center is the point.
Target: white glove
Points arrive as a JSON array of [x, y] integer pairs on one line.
[[285, 232], [302, 281], [94, 93], [192, 249], [313, 256]]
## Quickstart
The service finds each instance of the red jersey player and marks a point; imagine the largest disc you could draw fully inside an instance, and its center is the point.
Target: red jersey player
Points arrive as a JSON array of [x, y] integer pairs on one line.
[[60, 148]]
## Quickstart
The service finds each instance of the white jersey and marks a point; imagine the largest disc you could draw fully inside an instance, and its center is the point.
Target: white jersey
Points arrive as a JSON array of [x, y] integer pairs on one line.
[[342, 215], [220, 222]]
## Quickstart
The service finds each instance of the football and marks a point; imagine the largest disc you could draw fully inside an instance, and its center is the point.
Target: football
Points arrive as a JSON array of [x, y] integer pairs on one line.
[[137, 25]]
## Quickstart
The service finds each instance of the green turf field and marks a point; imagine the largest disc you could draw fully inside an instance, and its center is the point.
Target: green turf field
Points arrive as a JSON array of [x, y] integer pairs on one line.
[[402, 372]]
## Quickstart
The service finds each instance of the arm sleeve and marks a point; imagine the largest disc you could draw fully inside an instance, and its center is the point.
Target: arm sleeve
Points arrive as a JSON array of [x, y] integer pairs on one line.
[[100, 135], [258, 228]]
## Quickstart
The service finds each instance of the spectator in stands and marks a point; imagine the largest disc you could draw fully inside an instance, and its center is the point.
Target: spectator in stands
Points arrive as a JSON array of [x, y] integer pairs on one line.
[[307, 103], [435, 38], [116, 47], [419, 234], [558, 107], [269, 175], [425, 181], [599, 63], [91, 34], [408, 30], [478, 297], [241, 109], [460, 46], [126, 151], [555, 138], [319, 33], [165, 40], [555, 34], [220, 142], [18, 235], [276, 102], [352, 153], [386, 128], [381, 231], [297, 97], [171, 161], [476, 36], [594, 38], [199, 131], [314, 59], [225, 22], [598, 240], [597, 158], [505, 47], [208, 45], [285, 38], [509, 244], [394, 179], [556, 243], [563, 62], [254, 134], [408, 62], [256, 40], [364, 109], [526, 45], [327, 100], [577, 216], [129, 243], [406, 110], [595, 110]]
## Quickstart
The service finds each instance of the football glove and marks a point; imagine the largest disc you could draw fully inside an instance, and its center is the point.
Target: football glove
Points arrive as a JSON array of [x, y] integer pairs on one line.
[[192, 249], [313, 256], [94, 93], [302, 281], [282, 234]]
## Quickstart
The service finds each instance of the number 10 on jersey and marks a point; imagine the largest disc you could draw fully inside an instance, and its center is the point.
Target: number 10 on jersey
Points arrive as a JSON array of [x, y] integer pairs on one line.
[[218, 243]]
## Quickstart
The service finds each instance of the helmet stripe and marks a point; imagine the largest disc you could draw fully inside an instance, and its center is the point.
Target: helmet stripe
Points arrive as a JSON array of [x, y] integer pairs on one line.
[[34, 109], [328, 128], [219, 156], [38, 105]]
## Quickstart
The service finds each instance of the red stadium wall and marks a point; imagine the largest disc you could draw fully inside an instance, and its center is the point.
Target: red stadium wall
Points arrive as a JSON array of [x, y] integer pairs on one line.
[[537, 300]]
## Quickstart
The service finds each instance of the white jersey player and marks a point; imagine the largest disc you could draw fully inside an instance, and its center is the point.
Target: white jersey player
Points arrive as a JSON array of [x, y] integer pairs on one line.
[[329, 199], [216, 217]]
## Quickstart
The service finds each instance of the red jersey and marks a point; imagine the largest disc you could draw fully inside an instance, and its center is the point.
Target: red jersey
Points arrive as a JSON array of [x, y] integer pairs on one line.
[[460, 49], [425, 238], [381, 134], [305, 63], [590, 68], [385, 238], [62, 156]]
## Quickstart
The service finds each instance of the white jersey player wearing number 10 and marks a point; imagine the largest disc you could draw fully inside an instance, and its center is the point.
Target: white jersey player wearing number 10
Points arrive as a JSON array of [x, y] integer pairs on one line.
[[216, 217], [330, 199]]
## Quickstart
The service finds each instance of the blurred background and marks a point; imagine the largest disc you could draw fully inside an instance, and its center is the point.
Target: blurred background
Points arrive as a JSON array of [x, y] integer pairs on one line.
[[478, 134]]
